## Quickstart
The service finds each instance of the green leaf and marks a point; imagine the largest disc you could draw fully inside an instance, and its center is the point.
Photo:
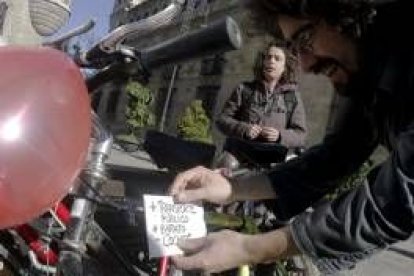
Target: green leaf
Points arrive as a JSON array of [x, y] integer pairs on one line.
[[138, 111], [194, 125]]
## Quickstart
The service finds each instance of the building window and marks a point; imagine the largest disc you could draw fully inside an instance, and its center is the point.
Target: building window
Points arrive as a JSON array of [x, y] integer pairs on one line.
[[208, 95], [112, 103], [167, 71], [212, 65]]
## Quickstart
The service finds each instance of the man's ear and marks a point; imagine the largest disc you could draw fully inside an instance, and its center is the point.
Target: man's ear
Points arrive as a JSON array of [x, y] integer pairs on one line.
[[289, 25]]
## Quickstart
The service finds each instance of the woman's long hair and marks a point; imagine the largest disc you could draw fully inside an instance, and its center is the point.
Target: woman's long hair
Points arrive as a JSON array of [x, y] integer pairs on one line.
[[289, 75]]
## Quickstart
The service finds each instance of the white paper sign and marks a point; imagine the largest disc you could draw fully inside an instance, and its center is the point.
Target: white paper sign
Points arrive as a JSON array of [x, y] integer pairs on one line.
[[167, 222]]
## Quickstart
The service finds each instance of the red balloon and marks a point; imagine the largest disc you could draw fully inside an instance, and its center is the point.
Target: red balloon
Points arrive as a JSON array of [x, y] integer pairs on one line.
[[45, 127]]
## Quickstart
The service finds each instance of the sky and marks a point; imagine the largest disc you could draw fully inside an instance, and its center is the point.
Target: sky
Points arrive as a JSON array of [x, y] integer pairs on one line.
[[82, 10]]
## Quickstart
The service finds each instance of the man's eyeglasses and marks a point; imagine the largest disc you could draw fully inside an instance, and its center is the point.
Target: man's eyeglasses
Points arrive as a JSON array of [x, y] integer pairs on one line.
[[302, 39]]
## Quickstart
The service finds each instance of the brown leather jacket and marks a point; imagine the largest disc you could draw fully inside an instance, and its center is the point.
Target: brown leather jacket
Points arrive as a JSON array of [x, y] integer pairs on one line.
[[249, 104]]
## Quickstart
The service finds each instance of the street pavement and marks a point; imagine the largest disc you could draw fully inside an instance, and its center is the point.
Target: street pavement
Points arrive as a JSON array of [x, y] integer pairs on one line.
[[135, 174], [390, 262]]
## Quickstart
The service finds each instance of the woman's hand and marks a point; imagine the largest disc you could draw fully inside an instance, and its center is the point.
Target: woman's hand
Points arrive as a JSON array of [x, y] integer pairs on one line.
[[270, 134], [254, 131], [201, 184]]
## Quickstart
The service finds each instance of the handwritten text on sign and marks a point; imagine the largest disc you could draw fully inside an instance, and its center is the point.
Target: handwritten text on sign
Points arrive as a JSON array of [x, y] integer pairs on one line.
[[168, 222]]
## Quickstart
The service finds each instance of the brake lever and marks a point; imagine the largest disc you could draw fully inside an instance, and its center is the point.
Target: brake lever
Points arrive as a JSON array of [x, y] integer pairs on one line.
[[126, 61], [112, 42], [123, 55]]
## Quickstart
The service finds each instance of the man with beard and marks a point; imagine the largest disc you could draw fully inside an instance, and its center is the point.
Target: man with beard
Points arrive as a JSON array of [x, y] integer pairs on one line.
[[361, 46]]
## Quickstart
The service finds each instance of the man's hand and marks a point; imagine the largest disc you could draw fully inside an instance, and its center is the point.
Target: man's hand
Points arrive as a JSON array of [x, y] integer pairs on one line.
[[217, 252], [254, 131], [270, 134], [201, 184], [227, 249]]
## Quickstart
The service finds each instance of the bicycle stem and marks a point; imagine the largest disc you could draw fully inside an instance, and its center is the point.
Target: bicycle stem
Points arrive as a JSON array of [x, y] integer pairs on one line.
[[94, 176]]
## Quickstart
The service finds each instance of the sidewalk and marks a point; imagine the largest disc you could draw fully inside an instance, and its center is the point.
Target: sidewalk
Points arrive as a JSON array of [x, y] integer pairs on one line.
[[389, 262]]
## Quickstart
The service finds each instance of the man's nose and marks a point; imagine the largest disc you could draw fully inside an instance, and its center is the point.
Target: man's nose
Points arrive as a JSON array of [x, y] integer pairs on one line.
[[272, 61]]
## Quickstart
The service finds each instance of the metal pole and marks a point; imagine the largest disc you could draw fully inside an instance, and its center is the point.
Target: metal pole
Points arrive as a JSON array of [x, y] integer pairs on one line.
[[168, 99], [187, 17]]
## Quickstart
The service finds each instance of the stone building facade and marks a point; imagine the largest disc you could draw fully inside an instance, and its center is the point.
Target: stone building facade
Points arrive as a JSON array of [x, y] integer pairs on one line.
[[212, 78]]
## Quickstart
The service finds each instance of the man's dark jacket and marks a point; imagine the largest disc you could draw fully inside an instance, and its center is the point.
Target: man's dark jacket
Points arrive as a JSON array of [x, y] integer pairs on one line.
[[379, 110]]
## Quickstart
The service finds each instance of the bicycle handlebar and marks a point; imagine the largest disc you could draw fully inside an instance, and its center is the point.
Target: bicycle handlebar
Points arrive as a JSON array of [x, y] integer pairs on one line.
[[220, 36]]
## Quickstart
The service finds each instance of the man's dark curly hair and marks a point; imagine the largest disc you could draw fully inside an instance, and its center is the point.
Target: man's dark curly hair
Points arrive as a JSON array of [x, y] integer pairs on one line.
[[352, 16], [290, 74]]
